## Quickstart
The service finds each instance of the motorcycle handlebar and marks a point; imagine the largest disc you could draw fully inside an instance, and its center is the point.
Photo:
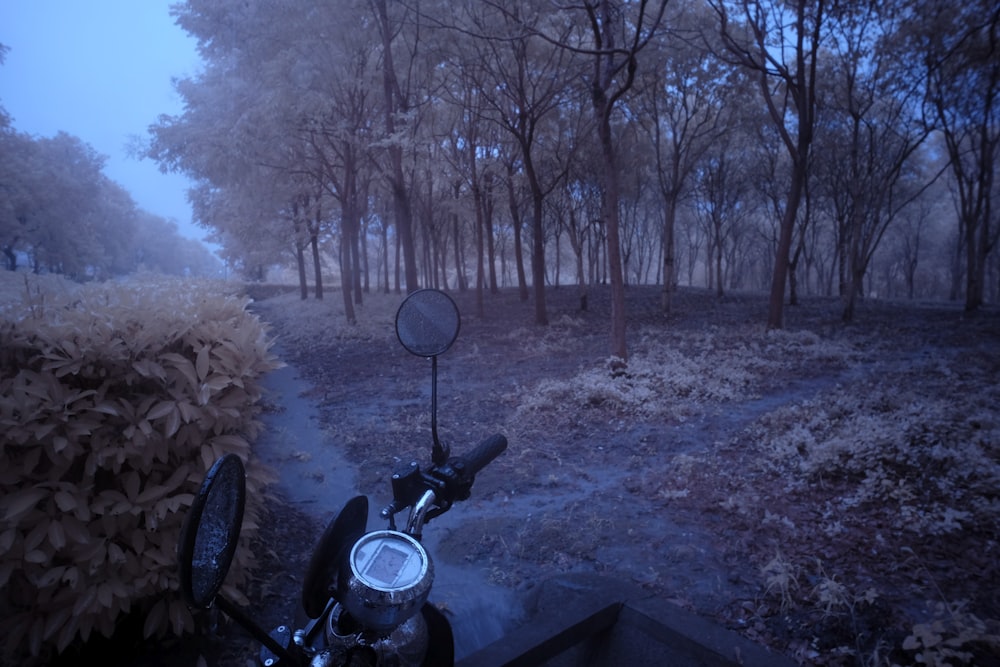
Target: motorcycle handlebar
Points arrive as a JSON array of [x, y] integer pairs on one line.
[[484, 453], [448, 482]]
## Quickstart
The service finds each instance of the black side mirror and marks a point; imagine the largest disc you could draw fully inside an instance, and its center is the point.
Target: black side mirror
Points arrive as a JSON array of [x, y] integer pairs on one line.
[[211, 531], [208, 543], [427, 324]]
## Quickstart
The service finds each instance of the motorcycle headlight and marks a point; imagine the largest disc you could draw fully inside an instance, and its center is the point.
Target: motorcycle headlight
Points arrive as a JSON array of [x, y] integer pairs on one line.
[[389, 579]]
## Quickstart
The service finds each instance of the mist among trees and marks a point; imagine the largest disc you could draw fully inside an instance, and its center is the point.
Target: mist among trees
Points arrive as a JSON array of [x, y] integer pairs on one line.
[[59, 213], [804, 148]]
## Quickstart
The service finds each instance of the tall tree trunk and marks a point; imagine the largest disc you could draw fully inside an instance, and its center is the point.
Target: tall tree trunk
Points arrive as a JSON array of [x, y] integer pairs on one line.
[[345, 276], [719, 287], [605, 91], [793, 267], [619, 348], [976, 253], [317, 267], [480, 248], [385, 250], [538, 258], [794, 67], [300, 262], [461, 279], [11, 257], [397, 179], [300, 256], [365, 266], [314, 245], [669, 255], [396, 265], [356, 260], [488, 231], [517, 222], [782, 259]]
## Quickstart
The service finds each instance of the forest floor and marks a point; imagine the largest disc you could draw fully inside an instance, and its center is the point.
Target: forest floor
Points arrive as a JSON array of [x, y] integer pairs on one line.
[[831, 491]]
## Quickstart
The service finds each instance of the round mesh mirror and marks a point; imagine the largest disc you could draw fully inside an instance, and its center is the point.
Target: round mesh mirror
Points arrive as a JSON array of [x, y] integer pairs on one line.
[[211, 531], [427, 322]]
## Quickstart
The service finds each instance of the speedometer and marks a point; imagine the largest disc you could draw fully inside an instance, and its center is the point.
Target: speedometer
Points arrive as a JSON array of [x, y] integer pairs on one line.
[[390, 578], [389, 561]]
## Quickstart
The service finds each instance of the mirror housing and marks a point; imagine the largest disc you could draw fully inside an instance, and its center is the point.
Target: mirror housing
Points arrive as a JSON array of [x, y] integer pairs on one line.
[[211, 531], [208, 543], [427, 323]]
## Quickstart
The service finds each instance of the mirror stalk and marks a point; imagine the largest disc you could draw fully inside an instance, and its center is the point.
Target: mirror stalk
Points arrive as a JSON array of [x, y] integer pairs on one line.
[[234, 612], [439, 454]]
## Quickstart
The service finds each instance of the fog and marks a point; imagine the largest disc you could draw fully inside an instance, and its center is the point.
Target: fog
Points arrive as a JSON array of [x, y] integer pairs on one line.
[[101, 72]]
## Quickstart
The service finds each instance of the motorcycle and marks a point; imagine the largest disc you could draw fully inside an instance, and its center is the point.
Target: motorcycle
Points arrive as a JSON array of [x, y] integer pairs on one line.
[[365, 593]]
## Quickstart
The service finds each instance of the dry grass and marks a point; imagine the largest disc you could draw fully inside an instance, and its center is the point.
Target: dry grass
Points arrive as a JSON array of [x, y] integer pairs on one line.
[[309, 324], [852, 471]]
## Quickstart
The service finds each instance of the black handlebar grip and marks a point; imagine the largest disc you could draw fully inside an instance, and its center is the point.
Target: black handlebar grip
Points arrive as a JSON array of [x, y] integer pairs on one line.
[[484, 452]]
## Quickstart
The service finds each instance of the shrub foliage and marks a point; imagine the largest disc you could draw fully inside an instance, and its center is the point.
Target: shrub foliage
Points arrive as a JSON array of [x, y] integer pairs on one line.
[[114, 402]]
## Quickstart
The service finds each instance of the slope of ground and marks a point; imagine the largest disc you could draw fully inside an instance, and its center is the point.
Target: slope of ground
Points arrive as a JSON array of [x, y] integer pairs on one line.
[[829, 490]]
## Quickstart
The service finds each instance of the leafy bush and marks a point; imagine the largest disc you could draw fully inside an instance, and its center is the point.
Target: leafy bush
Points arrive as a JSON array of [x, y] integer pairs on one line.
[[114, 402]]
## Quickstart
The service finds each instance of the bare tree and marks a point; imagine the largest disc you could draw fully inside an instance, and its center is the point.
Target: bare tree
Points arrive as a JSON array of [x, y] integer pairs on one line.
[[779, 42], [962, 69], [337, 133], [723, 204], [872, 132], [681, 103], [521, 81], [396, 105], [617, 42]]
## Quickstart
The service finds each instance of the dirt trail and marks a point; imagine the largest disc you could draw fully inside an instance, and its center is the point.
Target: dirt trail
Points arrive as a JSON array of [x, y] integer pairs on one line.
[[317, 480], [587, 488]]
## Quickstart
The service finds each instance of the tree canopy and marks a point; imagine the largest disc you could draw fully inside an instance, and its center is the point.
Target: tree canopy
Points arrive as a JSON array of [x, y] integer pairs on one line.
[[60, 213], [735, 144]]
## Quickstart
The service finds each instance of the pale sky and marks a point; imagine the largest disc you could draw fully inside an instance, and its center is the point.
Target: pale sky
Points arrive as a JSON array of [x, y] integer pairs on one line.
[[100, 70]]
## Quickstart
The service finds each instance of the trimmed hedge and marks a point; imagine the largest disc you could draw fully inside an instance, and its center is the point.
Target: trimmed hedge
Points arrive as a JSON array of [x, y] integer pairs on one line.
[[114, 402]]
